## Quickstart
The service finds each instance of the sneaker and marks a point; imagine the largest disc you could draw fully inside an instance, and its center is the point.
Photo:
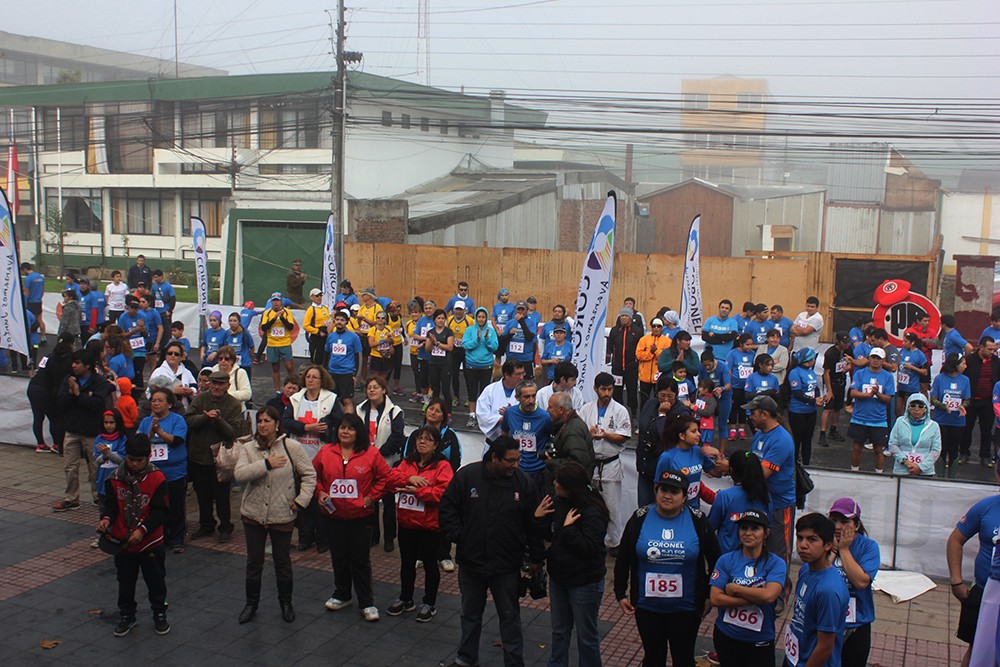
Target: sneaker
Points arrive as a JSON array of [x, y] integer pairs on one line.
[[55, 450], [415, 398], [743, 434], [224, 536], [125, 624], [400, 607], [822, 442], [986, 462], [203, 531], [160, 622], [42, 448], [869, 446], [177, 548], [333, 604], [713, 658], [426, 613], [454, 401], [963, 459], [732, 434], [95, 543], [835, 435], [370, 614], [65, 506], [419, 564], [472, 422], [448, 565]]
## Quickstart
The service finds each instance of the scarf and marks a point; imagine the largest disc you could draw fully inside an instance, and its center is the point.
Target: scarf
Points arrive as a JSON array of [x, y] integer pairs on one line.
[[132, 500]]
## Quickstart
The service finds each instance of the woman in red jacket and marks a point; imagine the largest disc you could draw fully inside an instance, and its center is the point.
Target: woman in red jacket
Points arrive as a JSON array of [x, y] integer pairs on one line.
[[350, 477], [420, 479]]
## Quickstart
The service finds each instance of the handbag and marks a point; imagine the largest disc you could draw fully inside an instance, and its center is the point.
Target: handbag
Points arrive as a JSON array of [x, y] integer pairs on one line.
[[803, 485], [110, 544], [226, 456], [246, 425]]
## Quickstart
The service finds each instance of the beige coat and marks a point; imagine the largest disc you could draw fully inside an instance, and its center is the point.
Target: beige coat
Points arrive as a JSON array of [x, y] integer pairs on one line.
[[268, 494]]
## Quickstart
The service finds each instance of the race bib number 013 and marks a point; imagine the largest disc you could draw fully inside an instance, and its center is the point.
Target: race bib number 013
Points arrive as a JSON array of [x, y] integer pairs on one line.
[[749, 617], [344, 488], [158, 452], [664, 585]]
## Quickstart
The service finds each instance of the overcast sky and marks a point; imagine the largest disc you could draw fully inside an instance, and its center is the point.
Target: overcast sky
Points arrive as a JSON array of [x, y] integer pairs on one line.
[[931, 50]]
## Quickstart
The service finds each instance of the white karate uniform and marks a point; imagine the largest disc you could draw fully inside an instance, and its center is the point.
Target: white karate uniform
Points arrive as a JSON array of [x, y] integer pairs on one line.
[[545, 393], [488, 406], [608, 478]]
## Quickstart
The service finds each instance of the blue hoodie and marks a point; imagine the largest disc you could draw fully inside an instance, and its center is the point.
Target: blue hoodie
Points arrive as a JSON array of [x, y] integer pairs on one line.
[[479, 350], [919, 441]]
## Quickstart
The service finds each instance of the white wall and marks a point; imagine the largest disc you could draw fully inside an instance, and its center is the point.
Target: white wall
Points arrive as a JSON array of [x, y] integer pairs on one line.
[[962, 215]]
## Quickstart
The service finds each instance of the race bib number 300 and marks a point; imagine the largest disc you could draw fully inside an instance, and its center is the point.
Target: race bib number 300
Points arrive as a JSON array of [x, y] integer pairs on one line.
[[344, 488], [660, 585]]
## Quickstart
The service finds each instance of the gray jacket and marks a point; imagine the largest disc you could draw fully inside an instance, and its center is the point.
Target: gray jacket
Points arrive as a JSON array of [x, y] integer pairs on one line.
[[268, 494]]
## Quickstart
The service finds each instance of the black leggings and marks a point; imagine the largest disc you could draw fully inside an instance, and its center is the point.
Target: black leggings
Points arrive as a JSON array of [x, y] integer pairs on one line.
[[856, 647], [440, 379], [803, 425], [476, 380], [736, 653], [417, 545], [951, 441], [738, 415], [138, 364], [397, 362], [679, 631], [42, 407]]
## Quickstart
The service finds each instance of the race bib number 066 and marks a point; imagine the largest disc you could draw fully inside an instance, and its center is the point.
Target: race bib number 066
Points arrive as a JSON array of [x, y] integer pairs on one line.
[[749, 617]]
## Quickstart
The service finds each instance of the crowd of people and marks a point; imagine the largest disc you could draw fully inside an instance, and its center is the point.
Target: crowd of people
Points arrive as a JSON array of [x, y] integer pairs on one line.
[[549, 494]]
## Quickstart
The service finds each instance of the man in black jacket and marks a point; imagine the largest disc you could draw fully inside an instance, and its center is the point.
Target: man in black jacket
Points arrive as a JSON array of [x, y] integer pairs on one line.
[[983, 370], [83, 397], [139, 273], [489, 511], [623, 339]]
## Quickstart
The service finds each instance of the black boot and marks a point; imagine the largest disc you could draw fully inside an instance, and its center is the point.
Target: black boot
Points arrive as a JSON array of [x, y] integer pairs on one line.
[[287, 611], [248, 612]]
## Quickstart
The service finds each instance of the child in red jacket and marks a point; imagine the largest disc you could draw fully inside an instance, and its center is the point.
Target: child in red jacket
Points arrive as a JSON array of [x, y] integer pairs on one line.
[[420, 479], [133, 512], [127, 406]]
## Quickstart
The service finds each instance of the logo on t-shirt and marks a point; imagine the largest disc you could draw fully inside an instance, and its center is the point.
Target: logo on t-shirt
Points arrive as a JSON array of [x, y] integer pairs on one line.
[[667, 534]]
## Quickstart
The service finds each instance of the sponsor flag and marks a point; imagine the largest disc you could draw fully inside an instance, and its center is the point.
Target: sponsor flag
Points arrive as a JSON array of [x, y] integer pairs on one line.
[[692, 312], [200, 238], [13, 320], [329, 285], [592, 300]]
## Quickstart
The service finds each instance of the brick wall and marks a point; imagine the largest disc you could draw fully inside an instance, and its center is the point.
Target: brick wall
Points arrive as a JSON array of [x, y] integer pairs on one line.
[[577, 219], [379, 220]]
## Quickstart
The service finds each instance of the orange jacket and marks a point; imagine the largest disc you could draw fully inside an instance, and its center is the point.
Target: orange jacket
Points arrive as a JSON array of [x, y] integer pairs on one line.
[[648, 371]]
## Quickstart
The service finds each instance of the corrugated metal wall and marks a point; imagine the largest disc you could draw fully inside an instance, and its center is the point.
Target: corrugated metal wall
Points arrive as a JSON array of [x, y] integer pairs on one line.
[[851, 229], [907, 232], [532, 224], [856, 173], [803, 212]]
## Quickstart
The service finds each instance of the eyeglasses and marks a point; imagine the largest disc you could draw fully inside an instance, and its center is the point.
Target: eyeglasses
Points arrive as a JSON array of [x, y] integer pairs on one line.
[[657, 326], [173, 354], [918, 404], [511, 461]]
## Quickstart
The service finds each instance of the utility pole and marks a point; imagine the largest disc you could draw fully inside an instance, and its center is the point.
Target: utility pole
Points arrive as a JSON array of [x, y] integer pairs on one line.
[[177, 60], [339, 126]]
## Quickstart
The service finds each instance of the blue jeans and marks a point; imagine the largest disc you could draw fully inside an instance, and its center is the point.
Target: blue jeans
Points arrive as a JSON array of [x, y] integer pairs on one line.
[[575, 605]]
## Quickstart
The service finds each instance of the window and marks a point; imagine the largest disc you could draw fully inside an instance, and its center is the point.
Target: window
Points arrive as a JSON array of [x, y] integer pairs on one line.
[[749, 101], [65, 129], [209, 206], [22, 128], [695, 100], [82, 210], [387, 118], [142, 212], [133, 130], [17, 72], [215, 125], [425, 125], [405, 121], [291, 125]]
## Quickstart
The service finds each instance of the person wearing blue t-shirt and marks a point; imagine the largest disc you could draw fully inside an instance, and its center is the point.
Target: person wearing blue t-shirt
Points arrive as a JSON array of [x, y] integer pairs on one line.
[[872, 390], [912, 371], [857, 558], [686, 454], [720, 331], [993, 331], [167, 433], [133, 324], [718, 372], [951, 393], [774, 447], [661, 573], [503, 310], [531, 427], [749, 307], [248, 314], [740, 363], [533, 316], [746, 584], [815, 634], [463, 295], [857, 332], [762, 382], [517, 339], [343, 349], [213, 338], [953, 341], [982, 520], [758, 326], [558, 318], [164, 299], [782, 324], [805, 397], [239, 339], [749, 491], [556, 350], [94, 306], [154, 329]]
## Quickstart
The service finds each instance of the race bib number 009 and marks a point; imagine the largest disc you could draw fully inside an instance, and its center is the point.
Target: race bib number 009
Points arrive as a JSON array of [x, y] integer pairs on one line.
[[344, 488], [660, 585]]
